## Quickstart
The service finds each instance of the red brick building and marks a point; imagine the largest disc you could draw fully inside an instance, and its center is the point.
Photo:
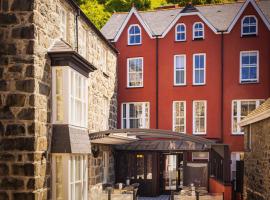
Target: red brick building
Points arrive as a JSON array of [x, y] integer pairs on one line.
[[197, 70]]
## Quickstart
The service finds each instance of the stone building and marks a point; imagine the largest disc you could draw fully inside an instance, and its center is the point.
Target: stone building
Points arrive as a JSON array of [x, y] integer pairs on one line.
[[57, 84], [257, 153]]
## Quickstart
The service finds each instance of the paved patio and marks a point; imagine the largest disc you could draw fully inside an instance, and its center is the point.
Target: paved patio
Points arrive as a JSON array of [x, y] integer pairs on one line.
[[162, 197]]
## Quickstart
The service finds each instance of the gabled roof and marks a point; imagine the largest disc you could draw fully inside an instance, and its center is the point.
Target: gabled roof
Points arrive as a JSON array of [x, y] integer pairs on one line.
[[261, 113], [219, 17]]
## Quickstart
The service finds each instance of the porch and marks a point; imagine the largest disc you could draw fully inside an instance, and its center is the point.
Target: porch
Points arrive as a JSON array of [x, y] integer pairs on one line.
[[163, 163]]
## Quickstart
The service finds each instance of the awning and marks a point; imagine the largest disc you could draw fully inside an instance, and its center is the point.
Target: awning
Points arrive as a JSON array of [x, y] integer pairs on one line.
[[150, 139]]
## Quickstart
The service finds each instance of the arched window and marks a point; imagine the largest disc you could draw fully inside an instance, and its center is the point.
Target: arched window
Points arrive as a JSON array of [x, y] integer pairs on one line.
[[249, 25], [180, 32], [134, 35], [198, 31]]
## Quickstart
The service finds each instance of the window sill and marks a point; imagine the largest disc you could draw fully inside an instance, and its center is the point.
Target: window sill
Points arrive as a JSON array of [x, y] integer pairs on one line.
[[249, 36], [134, 87], [130, 45], [249, 82], [105, 75], [199, 84], [198, 39], [176, 41], [175, 85], [203, 134]]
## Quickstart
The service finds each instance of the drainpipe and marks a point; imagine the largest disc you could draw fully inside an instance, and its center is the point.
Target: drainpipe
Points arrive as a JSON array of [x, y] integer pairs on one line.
[[77, 29], [222, 87], [157, 79]]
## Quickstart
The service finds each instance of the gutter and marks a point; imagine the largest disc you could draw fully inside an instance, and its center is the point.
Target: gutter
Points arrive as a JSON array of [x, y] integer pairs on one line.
[[157, 79], [222, 86]]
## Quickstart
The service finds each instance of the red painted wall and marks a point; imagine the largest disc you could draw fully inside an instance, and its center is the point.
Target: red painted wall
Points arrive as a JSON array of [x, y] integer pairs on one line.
[[217, 187], [211, 45], [233, 90]]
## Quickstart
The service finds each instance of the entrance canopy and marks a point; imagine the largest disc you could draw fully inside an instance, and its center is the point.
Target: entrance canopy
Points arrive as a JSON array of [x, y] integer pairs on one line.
[[150, 139]]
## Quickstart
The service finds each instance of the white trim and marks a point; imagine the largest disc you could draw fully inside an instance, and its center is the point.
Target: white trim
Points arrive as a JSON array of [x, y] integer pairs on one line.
[[185, 70], [259, 11], [238, 112], [193, 81], [145, 26], [244, 34], [176, 32], [130, 26], [188, 14], [258, 64], [193, 31], [174, 115], [128, 86], [193, 117]]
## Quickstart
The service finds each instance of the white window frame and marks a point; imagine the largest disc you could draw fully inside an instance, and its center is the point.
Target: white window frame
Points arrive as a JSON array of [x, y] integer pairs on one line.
[[194, 69], [140, 34], [63, 25], [174, 115], [180, 32], [127, 114], [184, 69], [242, 25], [238, 107], [194, 120], [248, 81], [128, 72], [195, 30]]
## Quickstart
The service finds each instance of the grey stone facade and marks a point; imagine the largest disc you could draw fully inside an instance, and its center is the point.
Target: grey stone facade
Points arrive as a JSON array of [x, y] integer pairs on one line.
[[28, 28], [257, 161]]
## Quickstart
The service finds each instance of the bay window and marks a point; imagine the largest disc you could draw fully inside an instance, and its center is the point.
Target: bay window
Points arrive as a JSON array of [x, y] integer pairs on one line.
[[179, 116], [240, 109], [135, 115], [199, 117], [179, 69], [69, 176], [70, 97]]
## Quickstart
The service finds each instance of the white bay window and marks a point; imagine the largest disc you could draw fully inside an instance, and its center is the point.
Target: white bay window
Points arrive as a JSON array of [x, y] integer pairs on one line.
[[70, 97], [240, 109], [70, 174], [135, 115]]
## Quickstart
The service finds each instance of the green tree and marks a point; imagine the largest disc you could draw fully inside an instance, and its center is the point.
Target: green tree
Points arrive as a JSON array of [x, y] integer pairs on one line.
[[95, 12], [125, 5]]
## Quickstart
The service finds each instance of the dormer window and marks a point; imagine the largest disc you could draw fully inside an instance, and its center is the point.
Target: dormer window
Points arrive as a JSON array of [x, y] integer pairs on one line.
[[180, 32], [198, 31], [134, 35], [249, 26]]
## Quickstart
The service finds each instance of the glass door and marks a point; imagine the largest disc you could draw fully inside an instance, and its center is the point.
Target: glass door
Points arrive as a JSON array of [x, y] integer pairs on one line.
[[170, 174]]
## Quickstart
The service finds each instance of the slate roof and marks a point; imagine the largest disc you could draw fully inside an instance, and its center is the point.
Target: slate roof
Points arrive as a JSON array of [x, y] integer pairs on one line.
[[256, 115], [60, 45], [220, 16]]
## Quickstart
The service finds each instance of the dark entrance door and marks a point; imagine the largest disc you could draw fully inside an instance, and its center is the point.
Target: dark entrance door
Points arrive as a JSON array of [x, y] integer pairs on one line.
[[171, 172]]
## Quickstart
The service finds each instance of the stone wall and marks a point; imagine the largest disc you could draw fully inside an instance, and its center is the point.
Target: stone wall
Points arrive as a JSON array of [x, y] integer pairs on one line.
[[27, 30], [257, 162]]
